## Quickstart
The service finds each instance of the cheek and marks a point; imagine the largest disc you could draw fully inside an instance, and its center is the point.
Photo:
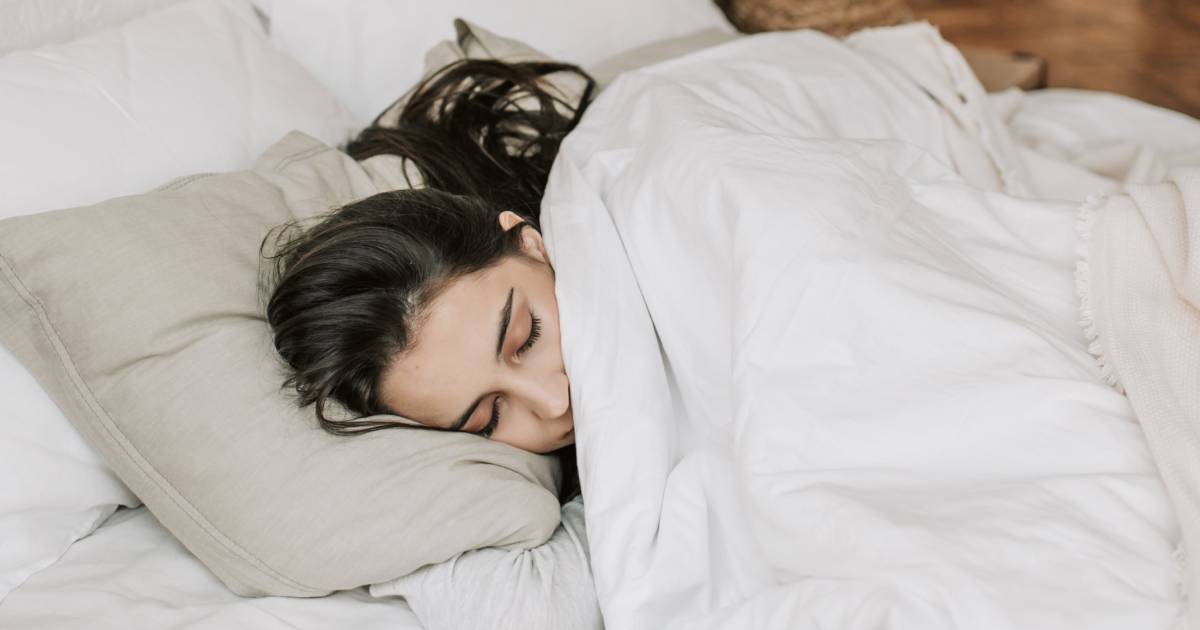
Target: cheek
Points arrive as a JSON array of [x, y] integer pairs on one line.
[[524, 433]]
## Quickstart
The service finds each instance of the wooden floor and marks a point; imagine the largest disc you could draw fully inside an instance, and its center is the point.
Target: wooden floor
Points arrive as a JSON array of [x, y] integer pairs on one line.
[[1148, 49]]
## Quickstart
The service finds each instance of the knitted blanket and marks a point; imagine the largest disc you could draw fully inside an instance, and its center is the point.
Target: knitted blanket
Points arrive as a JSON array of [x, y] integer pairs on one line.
[[1139, 281]]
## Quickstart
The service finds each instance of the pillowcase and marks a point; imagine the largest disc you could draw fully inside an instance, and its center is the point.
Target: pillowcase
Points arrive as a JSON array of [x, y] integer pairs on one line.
[[192, 87], [54, 488], [140, 317], [33, 23], [112, 113], [369, 51], [659, 51]]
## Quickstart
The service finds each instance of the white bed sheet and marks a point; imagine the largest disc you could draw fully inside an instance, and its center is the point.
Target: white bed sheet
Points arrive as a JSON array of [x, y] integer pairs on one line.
[[131, 574]]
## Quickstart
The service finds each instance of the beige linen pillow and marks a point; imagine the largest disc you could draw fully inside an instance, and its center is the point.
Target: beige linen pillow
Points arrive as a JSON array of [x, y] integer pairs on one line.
[[140, 317], [472, 41]]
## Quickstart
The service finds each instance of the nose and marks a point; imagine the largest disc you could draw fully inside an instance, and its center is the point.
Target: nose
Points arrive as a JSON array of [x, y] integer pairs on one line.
[[546, 394]]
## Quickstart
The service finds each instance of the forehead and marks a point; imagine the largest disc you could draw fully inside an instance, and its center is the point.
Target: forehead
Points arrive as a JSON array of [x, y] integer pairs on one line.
[[454, 346]]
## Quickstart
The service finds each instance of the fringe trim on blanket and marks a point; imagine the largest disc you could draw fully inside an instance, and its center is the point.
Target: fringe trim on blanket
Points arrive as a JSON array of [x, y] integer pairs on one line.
[[1084, 222]]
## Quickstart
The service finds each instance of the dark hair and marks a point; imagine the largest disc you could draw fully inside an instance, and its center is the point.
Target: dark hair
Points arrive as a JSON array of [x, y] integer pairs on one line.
[[348, 290], [483, 128], [343, 295]]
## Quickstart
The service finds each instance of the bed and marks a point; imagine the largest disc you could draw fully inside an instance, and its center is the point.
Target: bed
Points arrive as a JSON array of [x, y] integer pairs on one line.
[[120, 568]]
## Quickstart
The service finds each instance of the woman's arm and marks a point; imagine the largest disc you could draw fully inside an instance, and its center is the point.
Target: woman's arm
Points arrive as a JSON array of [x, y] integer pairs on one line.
[[548, 587]]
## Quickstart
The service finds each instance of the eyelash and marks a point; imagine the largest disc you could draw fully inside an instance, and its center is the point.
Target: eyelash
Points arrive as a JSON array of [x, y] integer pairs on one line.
[[491, 425], [535, 331]]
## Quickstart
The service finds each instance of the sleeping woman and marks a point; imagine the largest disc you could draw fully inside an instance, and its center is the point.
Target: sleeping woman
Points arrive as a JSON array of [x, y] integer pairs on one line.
[[437, 304], [893, 407]]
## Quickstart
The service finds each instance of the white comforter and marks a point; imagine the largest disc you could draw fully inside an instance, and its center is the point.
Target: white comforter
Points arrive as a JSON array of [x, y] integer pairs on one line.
[[819, 381]]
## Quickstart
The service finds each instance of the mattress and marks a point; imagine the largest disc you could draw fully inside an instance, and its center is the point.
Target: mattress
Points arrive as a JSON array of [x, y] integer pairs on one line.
[[131, 573]]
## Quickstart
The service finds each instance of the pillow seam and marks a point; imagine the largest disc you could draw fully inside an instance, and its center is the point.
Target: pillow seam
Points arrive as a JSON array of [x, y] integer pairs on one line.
[[118, 437]]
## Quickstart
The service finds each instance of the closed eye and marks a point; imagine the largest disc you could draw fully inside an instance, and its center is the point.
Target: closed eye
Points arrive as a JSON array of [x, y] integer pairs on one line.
[[535, 331], [493, 421]]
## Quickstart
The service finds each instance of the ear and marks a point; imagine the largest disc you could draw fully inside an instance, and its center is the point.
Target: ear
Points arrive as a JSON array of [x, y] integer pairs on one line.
[[531, 240]]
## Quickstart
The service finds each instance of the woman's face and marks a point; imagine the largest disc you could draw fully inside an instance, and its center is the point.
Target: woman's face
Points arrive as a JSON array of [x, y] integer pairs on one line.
[[486, 357]]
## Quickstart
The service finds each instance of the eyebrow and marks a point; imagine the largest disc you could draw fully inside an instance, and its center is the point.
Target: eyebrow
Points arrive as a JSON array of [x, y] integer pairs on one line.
[[505, 319]]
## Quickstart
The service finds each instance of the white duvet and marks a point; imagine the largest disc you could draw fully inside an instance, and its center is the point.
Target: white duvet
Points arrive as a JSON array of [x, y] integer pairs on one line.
[[819, 381]]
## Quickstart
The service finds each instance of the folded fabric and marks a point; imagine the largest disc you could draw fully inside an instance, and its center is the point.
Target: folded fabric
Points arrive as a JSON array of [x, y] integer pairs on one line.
[[1139, 281], [545, 588]]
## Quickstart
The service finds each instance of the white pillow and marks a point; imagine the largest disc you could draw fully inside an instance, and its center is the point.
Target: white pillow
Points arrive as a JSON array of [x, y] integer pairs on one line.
[[369, 52], [32, 23], [54, 489], [192, 87], [195, 86]]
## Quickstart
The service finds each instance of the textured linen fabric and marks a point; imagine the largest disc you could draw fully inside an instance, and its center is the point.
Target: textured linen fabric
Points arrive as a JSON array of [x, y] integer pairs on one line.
[[545, 588], [140, 317], [1140, 284], [605, 72]]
